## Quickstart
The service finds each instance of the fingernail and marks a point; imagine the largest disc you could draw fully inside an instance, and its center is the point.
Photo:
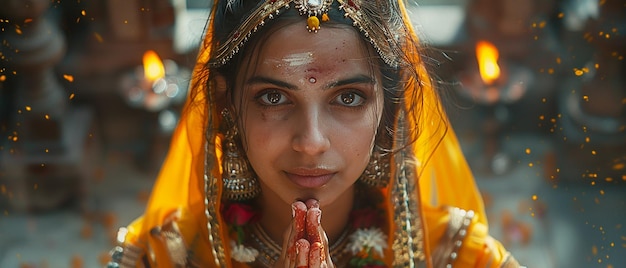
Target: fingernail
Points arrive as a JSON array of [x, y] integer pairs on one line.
[[293, 210], [312, 203]]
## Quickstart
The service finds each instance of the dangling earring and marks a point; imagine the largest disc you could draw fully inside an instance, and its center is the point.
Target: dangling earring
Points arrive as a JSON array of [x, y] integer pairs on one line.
[[240, 182], [376, 173]]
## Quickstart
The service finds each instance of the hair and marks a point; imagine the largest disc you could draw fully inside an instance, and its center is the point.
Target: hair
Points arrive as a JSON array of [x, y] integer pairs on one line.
[[228, 15]]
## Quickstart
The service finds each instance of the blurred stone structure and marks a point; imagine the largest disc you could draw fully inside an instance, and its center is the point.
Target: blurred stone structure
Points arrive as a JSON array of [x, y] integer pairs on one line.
[[592, 97], [43, 160]]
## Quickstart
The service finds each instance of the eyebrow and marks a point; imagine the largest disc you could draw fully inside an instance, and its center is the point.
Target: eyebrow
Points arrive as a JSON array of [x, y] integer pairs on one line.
[[357, 79], [266, 80]]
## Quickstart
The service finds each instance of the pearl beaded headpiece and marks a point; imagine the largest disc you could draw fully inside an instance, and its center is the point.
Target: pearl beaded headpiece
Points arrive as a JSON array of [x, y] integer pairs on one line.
[[376, 27]]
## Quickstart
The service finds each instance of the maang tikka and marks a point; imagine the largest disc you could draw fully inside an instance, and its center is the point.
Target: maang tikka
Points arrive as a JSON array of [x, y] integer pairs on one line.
[[240, 182], [377, 172], [383, 39]]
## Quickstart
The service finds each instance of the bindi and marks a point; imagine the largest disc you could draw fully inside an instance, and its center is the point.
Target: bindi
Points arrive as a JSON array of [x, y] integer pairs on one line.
[[312, 80]]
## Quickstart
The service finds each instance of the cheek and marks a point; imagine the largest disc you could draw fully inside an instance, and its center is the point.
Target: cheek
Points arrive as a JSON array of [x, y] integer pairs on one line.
[[357, 136], [261, 139]]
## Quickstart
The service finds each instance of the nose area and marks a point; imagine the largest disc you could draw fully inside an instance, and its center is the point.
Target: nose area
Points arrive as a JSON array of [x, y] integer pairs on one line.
[[311, 135]]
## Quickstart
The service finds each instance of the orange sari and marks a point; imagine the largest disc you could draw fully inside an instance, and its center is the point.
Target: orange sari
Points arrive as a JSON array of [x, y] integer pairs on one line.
[[435, 212]]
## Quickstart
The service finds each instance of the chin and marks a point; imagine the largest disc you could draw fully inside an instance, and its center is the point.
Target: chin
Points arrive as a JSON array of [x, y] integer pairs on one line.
[[325, 198], [326, 195]]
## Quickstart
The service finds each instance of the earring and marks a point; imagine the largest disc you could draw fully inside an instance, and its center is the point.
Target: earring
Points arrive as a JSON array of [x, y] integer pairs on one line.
[[376, 174], [240, 182]]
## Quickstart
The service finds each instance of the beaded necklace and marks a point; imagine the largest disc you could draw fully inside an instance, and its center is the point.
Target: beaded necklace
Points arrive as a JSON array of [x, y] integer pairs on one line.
[[269, 250], [360, 244]]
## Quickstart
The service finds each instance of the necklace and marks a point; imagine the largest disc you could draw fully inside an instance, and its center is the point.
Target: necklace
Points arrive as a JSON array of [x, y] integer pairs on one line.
[[269, 251]]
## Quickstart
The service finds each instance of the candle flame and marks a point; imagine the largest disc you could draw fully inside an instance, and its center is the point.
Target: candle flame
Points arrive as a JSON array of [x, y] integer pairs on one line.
[[153, 68], [487, 56]]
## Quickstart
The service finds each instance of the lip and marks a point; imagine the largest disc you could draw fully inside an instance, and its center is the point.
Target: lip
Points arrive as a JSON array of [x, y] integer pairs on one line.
[[310, 178]]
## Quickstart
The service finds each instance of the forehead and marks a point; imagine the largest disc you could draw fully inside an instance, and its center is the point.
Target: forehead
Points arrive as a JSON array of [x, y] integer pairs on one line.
[[293, 48]]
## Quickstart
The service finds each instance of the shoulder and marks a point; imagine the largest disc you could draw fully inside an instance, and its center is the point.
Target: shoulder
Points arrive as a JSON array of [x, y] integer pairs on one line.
[[459, 239]]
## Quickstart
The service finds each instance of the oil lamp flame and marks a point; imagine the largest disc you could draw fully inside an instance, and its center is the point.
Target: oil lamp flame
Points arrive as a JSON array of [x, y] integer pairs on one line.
[[153, 68], [487, 56]]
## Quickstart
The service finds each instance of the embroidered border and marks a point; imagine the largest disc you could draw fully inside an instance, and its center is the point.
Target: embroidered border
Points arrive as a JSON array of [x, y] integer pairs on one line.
[[408, 242], [211, 190], [125, 255]]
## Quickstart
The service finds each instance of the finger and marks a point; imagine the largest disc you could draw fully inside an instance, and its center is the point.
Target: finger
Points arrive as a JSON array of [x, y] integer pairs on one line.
[[327, 259], [324, 249], [316, 255], [296, 232], [313, 225], [318, 239], [312, 203], [302, 253], [299, 211]]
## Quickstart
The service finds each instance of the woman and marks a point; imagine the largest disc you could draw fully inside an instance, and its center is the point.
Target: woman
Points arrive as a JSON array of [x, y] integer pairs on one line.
[[303, 107]]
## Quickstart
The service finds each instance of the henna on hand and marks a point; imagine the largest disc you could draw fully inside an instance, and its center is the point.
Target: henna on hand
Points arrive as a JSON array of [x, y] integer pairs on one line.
[[319, 255], [299, 211], [292, 235], [306, 244], [313, 225], [302, 253]]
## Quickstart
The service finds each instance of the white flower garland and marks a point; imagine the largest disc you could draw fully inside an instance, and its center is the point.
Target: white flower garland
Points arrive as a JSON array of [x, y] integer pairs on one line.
[[365, 239], [242, 253]]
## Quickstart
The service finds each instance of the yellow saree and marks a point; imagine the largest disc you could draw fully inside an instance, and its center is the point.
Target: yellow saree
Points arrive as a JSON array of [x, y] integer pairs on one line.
[[435, 215]]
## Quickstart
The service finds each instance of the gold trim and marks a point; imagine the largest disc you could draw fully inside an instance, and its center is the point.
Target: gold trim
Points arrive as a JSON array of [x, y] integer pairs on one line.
[[447, 250], [383, 39], [126, 256], [170, 235], [305, 7], [408, 242], [236, 39], [211, 189]]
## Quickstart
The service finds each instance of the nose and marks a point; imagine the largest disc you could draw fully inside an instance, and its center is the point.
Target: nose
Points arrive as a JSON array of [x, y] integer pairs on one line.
[[311, 136]]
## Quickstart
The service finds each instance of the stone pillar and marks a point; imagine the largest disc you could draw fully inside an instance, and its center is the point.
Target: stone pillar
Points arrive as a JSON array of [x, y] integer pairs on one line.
[[31, 47], [41, 160]]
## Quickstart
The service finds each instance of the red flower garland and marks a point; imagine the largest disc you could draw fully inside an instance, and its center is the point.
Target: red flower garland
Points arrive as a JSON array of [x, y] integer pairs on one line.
[[240, 214]]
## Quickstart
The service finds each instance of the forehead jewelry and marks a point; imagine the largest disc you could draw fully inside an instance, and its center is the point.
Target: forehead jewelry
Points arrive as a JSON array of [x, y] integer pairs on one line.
[[313, 8], [366, 21], [312, 80]]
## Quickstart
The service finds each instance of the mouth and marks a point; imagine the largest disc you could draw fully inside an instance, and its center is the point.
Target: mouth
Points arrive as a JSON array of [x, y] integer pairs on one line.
[[310, 178]]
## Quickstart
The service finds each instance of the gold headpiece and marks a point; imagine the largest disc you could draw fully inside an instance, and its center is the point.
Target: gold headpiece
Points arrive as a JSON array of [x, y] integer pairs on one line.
[[313, 8], [383, 36]]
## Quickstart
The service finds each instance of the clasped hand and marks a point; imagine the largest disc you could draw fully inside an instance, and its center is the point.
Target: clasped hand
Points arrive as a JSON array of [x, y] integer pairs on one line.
[[306, 244]]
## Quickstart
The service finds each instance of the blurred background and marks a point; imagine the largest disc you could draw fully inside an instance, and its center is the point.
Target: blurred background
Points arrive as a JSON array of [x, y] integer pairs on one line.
[[90, 92]]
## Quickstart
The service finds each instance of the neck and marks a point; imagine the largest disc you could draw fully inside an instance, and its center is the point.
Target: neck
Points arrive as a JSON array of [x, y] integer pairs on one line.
[[276, 216]]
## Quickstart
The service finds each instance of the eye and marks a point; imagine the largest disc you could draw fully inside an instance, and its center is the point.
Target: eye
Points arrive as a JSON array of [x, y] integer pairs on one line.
[[272, 98], [351, 99]]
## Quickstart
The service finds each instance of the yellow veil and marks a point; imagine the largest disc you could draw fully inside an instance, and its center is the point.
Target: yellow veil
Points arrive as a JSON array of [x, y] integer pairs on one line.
[[178, 198]]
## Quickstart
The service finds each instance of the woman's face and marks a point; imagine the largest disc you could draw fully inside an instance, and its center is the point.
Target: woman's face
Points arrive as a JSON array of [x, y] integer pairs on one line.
[[311, 104]]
